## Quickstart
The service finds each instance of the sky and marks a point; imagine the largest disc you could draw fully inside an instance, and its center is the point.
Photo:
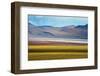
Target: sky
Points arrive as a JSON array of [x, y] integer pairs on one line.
[[56, 21]]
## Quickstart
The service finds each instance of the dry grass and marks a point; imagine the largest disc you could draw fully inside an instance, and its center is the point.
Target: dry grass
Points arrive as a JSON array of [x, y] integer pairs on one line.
[[49, 52], [57, 47], [56, 55]]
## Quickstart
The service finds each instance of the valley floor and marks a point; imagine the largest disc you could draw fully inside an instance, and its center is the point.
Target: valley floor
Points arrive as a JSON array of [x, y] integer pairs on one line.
[[49, 50]]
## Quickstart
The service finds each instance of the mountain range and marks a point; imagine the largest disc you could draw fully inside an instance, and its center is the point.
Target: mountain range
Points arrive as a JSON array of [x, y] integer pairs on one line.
[[71, 31]]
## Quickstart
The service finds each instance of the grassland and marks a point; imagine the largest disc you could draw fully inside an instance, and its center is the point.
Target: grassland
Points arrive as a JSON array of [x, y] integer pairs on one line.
[[50, 50], [53, 48]]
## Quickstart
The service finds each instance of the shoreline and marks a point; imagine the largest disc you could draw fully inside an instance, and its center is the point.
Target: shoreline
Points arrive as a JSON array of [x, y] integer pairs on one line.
[[57, 41]]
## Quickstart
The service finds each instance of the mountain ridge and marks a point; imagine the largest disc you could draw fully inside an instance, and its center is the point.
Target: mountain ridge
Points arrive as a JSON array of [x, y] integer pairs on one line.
[[71, 31]]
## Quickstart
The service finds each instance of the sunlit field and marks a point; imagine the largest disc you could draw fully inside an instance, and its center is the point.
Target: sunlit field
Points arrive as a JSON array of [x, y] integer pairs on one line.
[[49, 52]]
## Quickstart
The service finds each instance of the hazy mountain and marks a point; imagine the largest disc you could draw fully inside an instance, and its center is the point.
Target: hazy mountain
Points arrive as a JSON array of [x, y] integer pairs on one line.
[[71, 31]]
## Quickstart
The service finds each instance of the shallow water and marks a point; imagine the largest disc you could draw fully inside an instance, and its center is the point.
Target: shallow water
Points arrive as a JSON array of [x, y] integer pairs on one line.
[[60, 40]]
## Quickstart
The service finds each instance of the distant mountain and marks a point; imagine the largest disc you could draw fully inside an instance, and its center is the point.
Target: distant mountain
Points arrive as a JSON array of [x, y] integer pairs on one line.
[[82, 26], [71, 31]]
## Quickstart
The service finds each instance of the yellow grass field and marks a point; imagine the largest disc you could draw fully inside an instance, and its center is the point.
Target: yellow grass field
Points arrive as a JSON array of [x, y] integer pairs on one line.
[[58, 47], [49, 52]]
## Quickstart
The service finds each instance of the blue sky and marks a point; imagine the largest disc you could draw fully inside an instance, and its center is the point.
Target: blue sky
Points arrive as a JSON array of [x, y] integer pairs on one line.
[[56, 21]]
